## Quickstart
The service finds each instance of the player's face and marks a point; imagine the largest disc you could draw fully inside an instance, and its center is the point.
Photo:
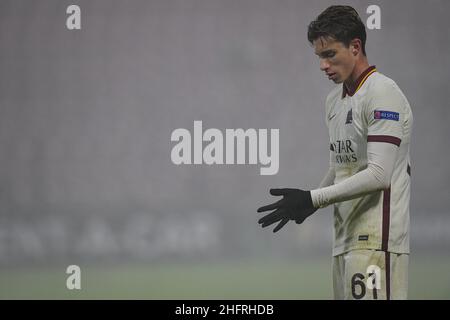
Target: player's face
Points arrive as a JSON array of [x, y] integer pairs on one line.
[[336, 60]]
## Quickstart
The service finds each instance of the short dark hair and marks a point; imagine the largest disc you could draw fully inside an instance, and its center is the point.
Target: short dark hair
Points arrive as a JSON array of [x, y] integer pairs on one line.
[[341, 23]]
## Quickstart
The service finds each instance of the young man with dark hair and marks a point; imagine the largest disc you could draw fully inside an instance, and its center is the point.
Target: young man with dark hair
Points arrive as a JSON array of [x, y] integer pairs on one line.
[[368, 181]]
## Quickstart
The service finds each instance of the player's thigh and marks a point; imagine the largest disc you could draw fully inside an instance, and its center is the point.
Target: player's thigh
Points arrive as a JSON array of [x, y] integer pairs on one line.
[[338, 277], [399, 276]]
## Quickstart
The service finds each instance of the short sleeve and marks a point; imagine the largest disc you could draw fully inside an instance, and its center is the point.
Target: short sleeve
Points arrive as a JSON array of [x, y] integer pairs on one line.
[[384, 114]]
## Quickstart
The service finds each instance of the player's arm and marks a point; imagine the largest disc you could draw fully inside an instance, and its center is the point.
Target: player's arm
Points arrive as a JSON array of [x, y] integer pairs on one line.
[[299, 204], [381, 157]]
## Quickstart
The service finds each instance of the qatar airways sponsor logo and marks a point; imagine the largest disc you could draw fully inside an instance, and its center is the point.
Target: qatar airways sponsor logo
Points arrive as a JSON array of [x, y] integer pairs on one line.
[[344, 151]]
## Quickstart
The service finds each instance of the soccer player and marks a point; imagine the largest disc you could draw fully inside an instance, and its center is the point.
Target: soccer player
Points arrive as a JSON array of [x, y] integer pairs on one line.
[[368, 182]]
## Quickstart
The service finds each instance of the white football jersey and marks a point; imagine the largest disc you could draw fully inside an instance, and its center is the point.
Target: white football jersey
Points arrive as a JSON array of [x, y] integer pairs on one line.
[[376, 111]]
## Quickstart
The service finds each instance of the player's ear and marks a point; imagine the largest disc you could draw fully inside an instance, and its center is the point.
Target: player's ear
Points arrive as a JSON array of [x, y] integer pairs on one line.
[[355, 46]]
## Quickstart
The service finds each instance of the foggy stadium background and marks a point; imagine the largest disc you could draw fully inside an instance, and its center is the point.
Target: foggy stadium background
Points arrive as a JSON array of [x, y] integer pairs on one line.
[[85, 122]]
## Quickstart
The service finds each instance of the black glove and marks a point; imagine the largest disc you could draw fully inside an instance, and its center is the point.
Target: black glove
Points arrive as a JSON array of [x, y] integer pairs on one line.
[[296, 205]]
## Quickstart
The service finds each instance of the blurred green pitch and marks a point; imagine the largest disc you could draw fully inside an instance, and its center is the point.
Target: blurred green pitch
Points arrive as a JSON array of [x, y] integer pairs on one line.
[[428, 279]]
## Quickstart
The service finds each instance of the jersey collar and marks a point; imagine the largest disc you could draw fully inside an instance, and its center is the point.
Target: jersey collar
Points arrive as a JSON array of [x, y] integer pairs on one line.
[[359, 82]]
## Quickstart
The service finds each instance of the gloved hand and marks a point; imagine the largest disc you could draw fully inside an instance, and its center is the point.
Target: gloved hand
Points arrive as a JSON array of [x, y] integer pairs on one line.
[[296, 205]]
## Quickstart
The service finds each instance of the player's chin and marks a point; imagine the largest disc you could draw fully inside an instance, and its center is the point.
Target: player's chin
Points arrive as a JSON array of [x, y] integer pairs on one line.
[[336, 80]]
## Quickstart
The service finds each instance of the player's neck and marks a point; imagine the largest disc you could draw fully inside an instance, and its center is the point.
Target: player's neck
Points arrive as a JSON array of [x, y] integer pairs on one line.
[[359, 68]]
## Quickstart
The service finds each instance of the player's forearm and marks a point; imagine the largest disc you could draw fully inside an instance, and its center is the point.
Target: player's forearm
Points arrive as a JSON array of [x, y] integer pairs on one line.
[[356, 186], [377, 176]]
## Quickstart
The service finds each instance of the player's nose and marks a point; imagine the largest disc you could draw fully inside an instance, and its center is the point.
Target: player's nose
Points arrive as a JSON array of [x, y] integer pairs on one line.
[[324, 65]]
